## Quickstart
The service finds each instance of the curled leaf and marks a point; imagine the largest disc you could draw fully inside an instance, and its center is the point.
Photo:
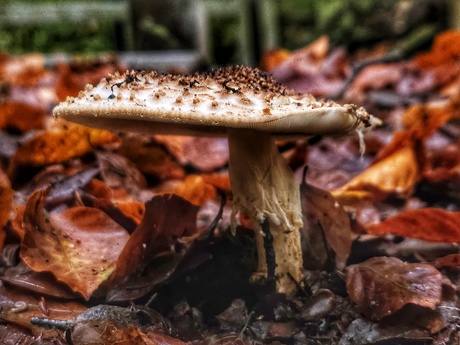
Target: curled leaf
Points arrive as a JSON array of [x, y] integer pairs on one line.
[[394, 174]]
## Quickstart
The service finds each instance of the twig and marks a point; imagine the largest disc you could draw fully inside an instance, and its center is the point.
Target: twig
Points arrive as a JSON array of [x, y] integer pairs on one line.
[[269, 254]]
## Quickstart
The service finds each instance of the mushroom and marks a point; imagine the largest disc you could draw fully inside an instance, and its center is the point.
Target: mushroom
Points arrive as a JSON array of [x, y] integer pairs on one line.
[[252, 110]]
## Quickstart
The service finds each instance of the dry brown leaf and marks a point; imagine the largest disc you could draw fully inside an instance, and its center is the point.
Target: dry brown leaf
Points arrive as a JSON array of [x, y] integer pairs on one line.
[[21, 116], [150, 158], [6, 204], [80, 246], [448, 261], [382, 286], [32, 305], [24, 70], [98, 189], [167, 218], [43, 283], [428, 224], [133, 336], [62, 144], [205, 154], [378, 76], [72, 79], [6, 207], [326, 231]]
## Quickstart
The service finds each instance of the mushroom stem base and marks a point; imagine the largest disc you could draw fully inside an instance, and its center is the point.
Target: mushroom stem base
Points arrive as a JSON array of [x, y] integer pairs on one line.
[[264, 186]]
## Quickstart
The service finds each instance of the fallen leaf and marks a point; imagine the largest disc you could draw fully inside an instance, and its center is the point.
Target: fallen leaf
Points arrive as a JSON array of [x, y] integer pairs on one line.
[[21, 116], [104, 333], [448, 261], [12, 299], [428, 224], [6, 204], [23, 70], [378, 76], [150, 158], [445, 50], [394, 174], [424, 119], [128, 213], [196, 190], [382, 286], [365, 332], [43, 283], [118, 172], [326, 231], [272, 58], [79, 246], [17, 335], [205, 154], [74, 77], [166, 219], [60, 145]]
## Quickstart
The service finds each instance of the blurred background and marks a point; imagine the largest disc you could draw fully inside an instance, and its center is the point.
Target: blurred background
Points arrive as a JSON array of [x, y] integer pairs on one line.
[[191, 34]]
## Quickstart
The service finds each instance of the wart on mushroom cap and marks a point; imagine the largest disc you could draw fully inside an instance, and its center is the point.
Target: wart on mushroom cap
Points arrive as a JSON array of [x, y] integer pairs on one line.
[[250, 108]]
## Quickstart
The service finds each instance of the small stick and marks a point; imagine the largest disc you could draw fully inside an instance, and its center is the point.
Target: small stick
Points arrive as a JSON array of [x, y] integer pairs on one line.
[[269, 254]]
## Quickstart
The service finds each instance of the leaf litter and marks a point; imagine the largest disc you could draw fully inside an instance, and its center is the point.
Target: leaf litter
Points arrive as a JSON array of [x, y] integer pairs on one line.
[[120, 238]]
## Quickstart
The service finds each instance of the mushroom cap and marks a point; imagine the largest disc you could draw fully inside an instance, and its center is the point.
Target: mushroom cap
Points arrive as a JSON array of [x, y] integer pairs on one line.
[[208, 103]]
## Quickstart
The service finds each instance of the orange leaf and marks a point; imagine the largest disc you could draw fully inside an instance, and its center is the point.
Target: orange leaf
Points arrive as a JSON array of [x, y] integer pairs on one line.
[[21, 116], [383, 285], [272, 58], [445, 50], [151, 159], [80, 246], [132, 209], [62, 144], [196, 190], [428, 224], [221, 181], [422, 120], [395, 174]]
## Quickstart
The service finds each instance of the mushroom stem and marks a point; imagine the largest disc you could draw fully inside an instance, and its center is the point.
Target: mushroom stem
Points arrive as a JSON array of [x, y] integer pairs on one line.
[[264, 186]]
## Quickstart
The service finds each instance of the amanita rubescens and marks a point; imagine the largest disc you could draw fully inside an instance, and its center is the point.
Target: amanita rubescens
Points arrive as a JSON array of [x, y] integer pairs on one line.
[[252, 110]]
